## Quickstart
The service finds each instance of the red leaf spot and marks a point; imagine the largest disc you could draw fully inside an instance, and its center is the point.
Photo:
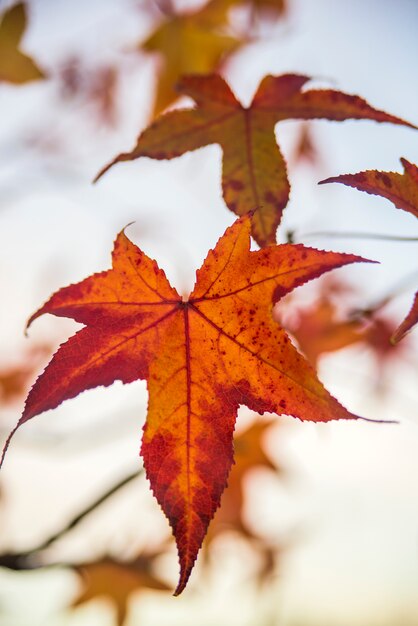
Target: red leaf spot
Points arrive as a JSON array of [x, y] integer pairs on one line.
[[236, 185]]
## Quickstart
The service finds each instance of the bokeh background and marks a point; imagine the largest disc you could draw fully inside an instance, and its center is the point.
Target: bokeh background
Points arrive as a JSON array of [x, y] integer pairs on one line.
[[322, 524]]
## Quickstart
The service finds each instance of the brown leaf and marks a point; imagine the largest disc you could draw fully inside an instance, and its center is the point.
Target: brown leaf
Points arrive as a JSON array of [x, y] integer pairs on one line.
[[15, 66], [254, 170]]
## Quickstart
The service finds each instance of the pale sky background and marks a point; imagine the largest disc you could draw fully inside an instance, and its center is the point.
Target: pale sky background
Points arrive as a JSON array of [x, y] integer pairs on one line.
[[350, 506]]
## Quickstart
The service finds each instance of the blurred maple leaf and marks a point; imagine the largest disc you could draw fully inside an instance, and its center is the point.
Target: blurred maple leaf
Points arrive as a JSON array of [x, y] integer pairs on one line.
[[249, 454], [402, 190], [193, 42], [256, 10], [95, 85], [274, 7], [305, 149], [377, 336], [319, 329], [202, 358], [16, 379], [117, 581], [15, 66], [254, 170], [328, 325]]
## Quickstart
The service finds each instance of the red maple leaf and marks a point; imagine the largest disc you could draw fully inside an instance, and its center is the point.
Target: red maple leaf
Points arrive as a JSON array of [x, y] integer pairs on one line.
[[202, 358]]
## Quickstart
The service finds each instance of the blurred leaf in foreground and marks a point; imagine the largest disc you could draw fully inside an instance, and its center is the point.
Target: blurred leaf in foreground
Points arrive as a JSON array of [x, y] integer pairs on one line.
[[117, 581], [15, 66], [193, 42]]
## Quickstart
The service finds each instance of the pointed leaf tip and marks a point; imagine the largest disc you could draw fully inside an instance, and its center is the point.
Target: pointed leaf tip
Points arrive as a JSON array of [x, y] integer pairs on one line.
[[7, 443]]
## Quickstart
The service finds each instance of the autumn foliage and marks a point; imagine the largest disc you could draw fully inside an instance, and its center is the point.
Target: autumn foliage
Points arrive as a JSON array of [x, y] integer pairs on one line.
[[254, 174], [224, 345]]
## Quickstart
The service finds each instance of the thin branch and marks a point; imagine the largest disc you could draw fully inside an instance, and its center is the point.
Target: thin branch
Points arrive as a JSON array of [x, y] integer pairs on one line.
[[24, 560], [291, 235], [396, 289]]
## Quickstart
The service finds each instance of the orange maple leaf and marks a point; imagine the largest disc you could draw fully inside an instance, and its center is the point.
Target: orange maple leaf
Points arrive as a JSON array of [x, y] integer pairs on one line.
[[15, 67], [402, 190], [201, 357], [319, 329], [15, 379], [116, 581], [254, 170]]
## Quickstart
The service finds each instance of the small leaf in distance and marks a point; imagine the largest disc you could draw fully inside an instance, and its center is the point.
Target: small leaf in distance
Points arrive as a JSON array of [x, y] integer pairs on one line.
[[402, 191], [188, 43], [319, 330], [254, 170], [116, 581], [15, 66], [97, 85], [202, 358]]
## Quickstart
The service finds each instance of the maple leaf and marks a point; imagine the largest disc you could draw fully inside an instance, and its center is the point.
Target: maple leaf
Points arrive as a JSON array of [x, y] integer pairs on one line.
[[15, 379], [117, 581], [318, 329], [202, 358], [402, 190], [188, 43], [15, 67], [254, 171]]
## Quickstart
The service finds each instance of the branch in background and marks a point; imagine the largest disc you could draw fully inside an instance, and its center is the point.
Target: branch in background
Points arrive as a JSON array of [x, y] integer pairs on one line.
[[26, 560], [292, 236]]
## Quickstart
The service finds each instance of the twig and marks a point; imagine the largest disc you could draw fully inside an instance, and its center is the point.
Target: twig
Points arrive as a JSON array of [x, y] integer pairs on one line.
[[392, 293], [23, 560], [291, 235]]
